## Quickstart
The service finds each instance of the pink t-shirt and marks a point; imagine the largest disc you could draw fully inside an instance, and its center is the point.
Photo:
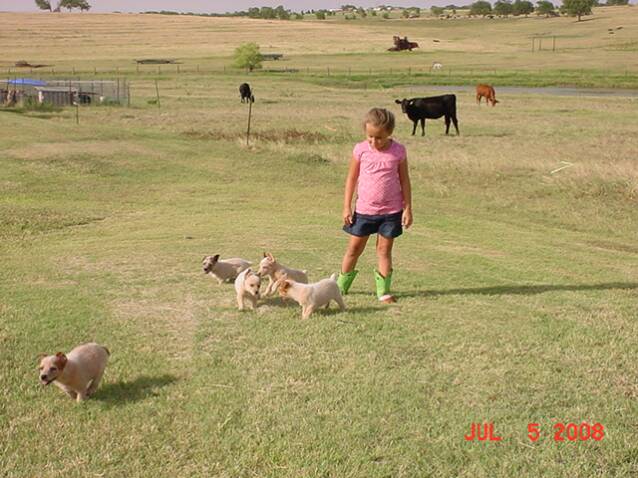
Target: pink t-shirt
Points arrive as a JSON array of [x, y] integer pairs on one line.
[[379, 187]]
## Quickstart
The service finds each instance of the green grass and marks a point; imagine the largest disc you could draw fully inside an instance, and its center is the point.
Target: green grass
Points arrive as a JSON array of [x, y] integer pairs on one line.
[[517, 287]]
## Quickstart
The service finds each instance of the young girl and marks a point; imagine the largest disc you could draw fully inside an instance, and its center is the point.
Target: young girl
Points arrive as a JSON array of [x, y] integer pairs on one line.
[[379, 171]]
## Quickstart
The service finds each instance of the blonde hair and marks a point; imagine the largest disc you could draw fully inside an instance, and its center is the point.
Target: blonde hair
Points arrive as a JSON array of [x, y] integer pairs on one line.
[[381, 118]]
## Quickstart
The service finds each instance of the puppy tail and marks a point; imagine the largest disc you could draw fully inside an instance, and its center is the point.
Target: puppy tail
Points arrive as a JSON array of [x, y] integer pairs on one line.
[[334, 277], [108, 352]]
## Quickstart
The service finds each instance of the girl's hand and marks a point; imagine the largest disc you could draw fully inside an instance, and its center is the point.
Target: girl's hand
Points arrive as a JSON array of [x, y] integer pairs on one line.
[[347, 216], [406, 218]]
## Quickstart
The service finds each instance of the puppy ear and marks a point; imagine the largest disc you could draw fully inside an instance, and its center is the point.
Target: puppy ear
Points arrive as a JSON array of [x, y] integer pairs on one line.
[[265, 254], [60, 360], [271, 257], [215, 258], [398, 102], [40, 356]]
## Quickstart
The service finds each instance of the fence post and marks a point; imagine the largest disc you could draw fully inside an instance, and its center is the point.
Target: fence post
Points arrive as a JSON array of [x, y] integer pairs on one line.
[[553, 43], [533, 44], [250, 111], [158, 96]]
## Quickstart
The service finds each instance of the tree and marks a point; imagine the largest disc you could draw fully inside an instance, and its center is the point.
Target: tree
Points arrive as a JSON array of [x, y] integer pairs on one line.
[[503, 7], [71, 4], [248, 56], [545, 7], [617, 2], [321, 15], [481, 7], [437, 11], [44, 5], [522, 7], [578, 8]]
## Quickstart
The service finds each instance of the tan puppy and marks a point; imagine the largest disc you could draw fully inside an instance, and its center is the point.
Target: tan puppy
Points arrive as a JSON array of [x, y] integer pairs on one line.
[[78, 373], [311, 296], [247, 286], [224, 270], [274, 270]]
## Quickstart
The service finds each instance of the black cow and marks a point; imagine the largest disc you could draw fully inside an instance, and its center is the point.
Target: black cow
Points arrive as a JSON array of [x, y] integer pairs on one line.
[[418, 109], [246, 94]]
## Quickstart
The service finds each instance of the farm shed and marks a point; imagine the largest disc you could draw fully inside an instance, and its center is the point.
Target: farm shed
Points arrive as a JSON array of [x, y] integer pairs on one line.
[[96, 91], [57, 95]]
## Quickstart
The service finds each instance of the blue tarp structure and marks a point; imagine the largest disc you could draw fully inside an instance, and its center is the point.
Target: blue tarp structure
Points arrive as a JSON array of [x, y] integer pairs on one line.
[[27, 82]]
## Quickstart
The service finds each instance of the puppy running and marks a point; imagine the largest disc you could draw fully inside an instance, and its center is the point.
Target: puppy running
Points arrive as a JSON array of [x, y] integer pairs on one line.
[[311, 296], [224, 270], [247, 287], [79, 373], [274, 270]]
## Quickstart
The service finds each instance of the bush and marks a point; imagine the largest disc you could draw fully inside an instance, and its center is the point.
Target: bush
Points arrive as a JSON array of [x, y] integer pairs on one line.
[[248, 56]]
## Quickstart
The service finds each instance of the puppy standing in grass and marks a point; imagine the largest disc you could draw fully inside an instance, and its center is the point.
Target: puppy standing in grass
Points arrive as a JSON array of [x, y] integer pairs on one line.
[[311, 296], [79, 373], [274, 270], [247, 286], [379, 172], [224, 270]]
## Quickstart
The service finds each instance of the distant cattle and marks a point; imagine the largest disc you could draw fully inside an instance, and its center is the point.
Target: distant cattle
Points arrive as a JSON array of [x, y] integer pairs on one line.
[[246, 94], [487, 92], [437, 66], [420, 109], [402, 44]]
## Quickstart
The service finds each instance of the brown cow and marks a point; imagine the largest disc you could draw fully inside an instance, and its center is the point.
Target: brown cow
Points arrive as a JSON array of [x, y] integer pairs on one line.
[[486, 91]]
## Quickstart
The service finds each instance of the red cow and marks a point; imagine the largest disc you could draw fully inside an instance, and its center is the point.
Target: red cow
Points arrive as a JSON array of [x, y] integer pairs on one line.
[[485, 91]]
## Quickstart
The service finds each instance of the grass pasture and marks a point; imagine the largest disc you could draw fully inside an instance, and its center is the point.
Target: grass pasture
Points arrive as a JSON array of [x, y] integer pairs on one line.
[[518, 285]]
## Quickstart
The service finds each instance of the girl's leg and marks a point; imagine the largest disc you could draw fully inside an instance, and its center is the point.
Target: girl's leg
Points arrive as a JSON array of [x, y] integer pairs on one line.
[[384, 255], [383, 274], [356, 245]]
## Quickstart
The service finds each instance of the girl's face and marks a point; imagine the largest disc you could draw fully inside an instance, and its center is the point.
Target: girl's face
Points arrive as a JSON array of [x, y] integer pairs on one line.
[[378, 137]]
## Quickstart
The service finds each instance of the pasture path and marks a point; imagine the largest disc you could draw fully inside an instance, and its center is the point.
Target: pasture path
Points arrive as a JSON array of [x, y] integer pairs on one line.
[[548, 90]]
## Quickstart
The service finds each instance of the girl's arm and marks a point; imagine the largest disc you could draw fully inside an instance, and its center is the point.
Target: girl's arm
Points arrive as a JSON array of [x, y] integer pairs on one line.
[[351, 183], [406, 189]]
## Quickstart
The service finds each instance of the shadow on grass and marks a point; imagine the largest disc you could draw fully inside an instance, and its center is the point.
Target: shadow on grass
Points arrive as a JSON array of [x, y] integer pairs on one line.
[[519, 289], [139, 389]]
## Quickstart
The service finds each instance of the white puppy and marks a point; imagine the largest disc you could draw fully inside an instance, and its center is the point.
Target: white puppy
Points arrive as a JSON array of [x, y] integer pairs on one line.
[[247, 287], [224, 270], [311, 296], [78, 373], [274, 270]]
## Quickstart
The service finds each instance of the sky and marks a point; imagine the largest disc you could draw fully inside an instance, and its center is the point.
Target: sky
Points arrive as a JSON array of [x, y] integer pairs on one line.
[[220, 6]]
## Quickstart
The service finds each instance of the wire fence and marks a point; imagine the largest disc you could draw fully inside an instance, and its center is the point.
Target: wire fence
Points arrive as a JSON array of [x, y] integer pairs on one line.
[[172, 69]]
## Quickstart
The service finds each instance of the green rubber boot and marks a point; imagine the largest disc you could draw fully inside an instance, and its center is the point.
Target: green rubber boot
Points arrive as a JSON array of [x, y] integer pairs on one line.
[[344, 281], [383, 287]]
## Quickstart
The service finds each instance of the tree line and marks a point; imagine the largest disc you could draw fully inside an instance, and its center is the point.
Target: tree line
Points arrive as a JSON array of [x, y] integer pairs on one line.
[[81, 5], [576, 8]]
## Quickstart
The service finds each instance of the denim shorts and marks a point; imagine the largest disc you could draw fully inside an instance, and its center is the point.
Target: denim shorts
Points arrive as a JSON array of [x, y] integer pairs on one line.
[[386, 225]]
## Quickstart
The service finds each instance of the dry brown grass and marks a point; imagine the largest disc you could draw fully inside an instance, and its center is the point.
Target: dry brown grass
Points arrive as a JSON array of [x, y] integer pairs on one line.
[[89, 40]]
